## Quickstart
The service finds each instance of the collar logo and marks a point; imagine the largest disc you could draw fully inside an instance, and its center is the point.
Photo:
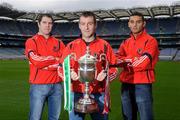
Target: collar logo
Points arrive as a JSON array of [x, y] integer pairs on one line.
[[55, 48], [139, 51]]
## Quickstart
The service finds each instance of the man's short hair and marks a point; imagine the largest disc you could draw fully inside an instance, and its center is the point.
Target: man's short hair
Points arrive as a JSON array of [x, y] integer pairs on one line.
[[88, 14], [45, 15], [138, 14]]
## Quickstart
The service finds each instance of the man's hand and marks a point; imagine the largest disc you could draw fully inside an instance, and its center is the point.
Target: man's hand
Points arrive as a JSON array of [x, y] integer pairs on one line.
[[101, 76], [60, 72], [57, 58], [74, 75]]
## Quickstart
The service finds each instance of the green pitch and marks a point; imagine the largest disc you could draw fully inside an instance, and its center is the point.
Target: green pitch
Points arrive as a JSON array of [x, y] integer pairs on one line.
[[14, 92]]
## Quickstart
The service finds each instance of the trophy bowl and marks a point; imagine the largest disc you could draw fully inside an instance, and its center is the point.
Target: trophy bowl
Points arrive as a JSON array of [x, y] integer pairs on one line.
[[87, 70]]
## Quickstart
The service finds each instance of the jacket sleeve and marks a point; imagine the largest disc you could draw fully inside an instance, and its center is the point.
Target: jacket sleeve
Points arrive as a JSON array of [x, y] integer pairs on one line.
[[36, 59], [60, 72], [112, 60], [122, 58], [144, 62], [65, 53], [61, 50], [54, 66], [112, 74]]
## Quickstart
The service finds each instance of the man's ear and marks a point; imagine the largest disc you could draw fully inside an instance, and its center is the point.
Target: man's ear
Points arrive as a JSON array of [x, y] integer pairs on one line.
[[38, 24], [79, 25], [128, 24], [96, 25], [144, 24]]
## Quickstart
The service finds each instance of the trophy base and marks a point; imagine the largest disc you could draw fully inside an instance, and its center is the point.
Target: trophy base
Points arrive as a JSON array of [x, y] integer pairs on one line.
[[86, 105]]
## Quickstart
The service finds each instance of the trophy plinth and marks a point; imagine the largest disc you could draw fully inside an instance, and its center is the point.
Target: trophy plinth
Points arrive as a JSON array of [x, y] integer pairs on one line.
[[86, 104], [87, 68]]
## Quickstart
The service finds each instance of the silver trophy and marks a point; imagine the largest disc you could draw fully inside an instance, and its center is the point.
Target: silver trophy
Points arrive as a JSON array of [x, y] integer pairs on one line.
[[87, 69]]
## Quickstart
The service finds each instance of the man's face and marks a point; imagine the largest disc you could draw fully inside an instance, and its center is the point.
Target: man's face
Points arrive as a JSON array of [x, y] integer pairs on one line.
[[87, 26], [45, 26], [136, 24]]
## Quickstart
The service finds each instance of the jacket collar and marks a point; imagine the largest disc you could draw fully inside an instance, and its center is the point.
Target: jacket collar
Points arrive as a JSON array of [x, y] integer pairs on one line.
[[39, 35], [87, 43], [139, 35]]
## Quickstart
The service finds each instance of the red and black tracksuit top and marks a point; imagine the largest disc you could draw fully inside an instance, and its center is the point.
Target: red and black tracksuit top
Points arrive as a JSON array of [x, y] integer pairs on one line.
[[139, 58], [77, 49], [41, 54]]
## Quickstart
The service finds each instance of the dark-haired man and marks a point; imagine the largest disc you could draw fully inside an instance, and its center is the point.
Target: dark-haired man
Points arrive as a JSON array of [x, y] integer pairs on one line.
[[138, 56], [43, 52], [98, 47]]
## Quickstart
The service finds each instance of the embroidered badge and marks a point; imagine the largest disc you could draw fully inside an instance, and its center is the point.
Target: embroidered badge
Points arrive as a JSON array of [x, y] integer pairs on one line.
[[56, 48], [139, 51]]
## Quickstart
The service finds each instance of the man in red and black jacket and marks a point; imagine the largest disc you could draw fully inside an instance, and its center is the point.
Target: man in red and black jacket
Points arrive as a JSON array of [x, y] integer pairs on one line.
[[137, 56], [44, 52], [98, 47]]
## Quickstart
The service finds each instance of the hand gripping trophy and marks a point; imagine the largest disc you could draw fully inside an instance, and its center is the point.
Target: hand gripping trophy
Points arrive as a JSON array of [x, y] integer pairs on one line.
[[86, 70]]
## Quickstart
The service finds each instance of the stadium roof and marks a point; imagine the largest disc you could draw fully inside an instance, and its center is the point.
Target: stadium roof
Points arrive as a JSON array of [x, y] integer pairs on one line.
[[151, 12]]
